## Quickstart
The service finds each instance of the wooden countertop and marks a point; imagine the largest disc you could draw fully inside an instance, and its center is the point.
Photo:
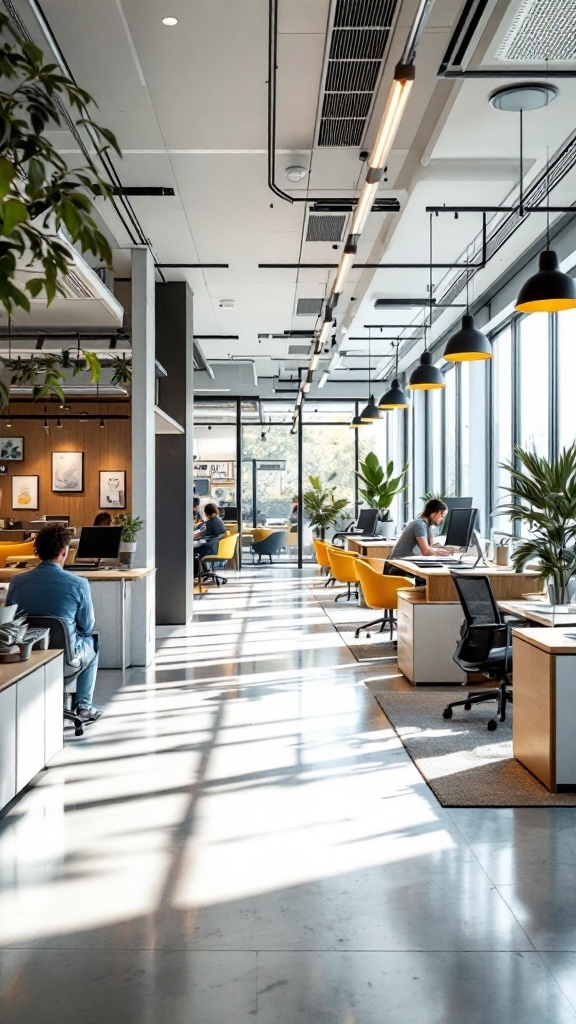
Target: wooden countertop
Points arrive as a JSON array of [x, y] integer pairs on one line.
[[103, 575], [552, 641], [538, 609], [443, 570], [10, 674]]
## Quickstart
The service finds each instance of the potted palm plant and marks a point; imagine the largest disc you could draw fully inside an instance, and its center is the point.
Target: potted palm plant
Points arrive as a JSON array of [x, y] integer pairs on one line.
[[321, 506], [131, 526], [379, 488], [543, 496]]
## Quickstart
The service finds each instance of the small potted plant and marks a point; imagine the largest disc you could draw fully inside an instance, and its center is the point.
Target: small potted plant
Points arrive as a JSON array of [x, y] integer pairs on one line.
[[131, 526], [321, 506]]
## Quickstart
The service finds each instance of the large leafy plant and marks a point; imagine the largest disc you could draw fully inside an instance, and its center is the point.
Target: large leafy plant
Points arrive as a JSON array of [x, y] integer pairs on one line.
[[543, 497], [379, 484], [321, 506], [39, 194]]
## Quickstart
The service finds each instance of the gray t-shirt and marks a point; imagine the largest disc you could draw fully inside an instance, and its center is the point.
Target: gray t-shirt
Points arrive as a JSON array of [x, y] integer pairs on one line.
[[407, 544]]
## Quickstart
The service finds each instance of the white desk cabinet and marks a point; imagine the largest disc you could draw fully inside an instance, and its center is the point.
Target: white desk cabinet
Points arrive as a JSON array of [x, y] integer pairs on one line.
[[427, 635]]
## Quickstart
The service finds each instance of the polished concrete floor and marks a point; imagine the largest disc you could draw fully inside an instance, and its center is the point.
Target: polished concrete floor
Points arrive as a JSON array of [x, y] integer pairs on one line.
[[243, 838]]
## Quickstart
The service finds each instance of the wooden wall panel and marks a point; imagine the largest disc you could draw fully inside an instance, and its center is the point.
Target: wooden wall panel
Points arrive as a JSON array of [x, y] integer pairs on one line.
[[107, 447]]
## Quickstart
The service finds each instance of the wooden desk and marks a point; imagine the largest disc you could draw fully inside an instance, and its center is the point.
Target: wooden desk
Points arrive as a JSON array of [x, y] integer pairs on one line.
[[31, 719], [504, 581], [377, 548], [116, 595], [545, 704], [430, 617], [541, 612]]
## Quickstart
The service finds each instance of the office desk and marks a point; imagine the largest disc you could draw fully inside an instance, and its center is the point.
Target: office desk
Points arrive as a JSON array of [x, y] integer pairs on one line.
[[31, 720], [541, 612], [376, 547], [545, 705], [430, 617], [116, 595]]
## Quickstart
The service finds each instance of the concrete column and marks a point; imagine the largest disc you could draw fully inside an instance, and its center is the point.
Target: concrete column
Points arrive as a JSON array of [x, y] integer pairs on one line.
[[143, 452], [174, 480]]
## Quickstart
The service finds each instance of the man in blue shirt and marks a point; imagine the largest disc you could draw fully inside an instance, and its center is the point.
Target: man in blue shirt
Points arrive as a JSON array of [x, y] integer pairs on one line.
[[48, 589]]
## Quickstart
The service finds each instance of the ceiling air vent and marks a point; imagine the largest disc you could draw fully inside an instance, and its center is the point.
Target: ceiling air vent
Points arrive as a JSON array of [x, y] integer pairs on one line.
[[298, 350], [309, 307], [542, 30], [358, 44], [325, 227]]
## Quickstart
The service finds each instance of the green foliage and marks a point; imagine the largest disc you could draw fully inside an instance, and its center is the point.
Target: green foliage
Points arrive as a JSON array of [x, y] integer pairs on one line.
[[431, 495], [122, 371], [321, 506], [543, 496], [380, 486], [131, 526], [50, 368], [39, 195]]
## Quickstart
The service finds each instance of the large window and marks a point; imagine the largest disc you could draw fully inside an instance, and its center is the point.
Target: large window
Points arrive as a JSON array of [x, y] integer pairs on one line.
[[533, 343], [435, 400], [450, 397], [566, 378], [464, 483], [502, 413]]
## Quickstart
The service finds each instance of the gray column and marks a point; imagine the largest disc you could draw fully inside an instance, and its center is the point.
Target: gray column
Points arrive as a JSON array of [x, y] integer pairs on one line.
[[174, 479], [143, 451]]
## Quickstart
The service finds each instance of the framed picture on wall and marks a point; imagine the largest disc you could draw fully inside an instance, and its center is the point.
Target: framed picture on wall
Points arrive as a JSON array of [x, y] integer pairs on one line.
[[25, 493], [67, 472], [112, 488], [11, 449]]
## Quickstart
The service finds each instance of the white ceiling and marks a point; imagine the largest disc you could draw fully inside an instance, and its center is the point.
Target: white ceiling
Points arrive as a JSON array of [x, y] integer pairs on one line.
[[189, 107]]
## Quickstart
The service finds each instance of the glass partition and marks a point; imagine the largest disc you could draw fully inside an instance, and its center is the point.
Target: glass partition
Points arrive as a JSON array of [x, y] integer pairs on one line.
[[269, 486], [534, 377], [450, 397], [566, 378], [502, 422], [329, 448]]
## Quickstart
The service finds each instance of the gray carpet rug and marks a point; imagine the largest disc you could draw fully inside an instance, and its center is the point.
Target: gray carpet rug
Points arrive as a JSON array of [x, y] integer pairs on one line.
[[377, 648], [463, 763]]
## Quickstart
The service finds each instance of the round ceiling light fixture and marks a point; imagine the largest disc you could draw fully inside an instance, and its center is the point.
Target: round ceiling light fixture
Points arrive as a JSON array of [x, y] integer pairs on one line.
[[170, 21], [526, 96], [295, 172]]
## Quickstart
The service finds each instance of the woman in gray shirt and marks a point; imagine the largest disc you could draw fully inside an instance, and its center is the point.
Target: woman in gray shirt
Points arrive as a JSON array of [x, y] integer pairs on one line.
[[414, 537]]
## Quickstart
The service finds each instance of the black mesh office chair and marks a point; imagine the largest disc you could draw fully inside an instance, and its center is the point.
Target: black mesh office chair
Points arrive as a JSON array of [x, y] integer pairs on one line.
[[60, 640], [484, 644]]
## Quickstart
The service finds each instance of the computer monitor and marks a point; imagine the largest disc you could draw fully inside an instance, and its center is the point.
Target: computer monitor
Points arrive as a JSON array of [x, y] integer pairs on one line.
[[460, 524], [230, 513], [367, 520], [454, 502], [98, 542], [202, 485]]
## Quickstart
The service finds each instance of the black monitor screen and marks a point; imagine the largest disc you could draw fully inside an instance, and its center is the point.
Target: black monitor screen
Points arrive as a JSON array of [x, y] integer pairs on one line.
[[460, 523], [230, 513], [99, 542], [367, 520], [202, 485], [454, 502]]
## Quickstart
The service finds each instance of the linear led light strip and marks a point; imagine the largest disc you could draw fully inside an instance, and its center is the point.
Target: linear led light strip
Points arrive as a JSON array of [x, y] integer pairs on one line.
[[398, 97]]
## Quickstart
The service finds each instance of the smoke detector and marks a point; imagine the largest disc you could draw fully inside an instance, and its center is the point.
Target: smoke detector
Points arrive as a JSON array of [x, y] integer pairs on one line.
[[226, 303], [295, 172]]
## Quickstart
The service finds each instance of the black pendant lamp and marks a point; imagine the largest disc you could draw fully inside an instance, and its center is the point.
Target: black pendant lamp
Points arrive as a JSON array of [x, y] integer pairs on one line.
[[394, 398], [370, 413], [548, 291], [468, 344], [355, 423], [426, 376]]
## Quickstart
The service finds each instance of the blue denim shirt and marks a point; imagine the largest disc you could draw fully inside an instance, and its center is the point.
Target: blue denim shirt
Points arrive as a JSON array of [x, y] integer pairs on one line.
[[47, 589]]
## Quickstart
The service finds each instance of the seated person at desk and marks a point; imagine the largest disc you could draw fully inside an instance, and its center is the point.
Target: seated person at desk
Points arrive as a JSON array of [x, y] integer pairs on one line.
[[294, 512], [414, 537], [211, 530], [48, 590], [196, 511], [103, 519]]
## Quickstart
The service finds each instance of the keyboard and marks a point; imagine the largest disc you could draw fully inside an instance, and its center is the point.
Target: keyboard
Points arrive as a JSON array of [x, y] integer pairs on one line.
[[436, 563]]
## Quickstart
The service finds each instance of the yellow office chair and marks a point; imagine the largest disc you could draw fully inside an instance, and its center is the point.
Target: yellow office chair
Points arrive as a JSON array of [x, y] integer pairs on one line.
[[342, 569], [9, 550], [320, 547], [379, 592], [225, 553]]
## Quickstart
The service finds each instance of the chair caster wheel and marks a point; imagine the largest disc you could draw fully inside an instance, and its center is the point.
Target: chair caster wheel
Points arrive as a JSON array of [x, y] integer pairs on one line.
[[79, 730], [492, 725], [357, 634], [368, 635], [467, 706], [447, 713]]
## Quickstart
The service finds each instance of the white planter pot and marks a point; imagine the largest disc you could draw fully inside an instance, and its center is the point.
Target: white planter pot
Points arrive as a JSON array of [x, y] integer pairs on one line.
[[386, 529], [127, 553]]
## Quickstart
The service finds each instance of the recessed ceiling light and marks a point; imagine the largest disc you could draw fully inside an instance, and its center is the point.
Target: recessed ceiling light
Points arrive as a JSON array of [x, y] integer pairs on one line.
[[169, 21], [295, 173]]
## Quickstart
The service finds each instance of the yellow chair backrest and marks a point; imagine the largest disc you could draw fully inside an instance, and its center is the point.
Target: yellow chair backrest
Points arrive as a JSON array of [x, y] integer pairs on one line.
[[260, 533], [226, 547], [341, 565], [25, 547], [320, 549], [379, 591]]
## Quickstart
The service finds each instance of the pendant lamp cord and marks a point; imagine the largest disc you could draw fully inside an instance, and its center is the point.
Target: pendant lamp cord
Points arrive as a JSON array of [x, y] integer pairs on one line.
[[369, 361], [547, 197], [467, 280], [521, 196], [430, 284]]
